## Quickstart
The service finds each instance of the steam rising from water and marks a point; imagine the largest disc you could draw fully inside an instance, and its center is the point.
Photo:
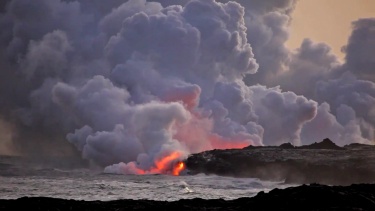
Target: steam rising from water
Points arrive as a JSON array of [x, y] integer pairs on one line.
[[132, 83]]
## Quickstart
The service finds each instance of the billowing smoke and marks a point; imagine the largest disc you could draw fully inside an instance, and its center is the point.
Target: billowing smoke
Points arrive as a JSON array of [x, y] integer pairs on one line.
[[135, 86], [360, 48], [345, 91]]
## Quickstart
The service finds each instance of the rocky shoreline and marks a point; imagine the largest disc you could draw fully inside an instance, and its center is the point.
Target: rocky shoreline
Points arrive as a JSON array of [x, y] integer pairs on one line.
[[305, 197], [323, 163], [350, 168]]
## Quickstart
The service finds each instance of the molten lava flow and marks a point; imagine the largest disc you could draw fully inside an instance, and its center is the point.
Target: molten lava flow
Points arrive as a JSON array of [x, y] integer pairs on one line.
[[169, 164], [163, 165], [180, 166]]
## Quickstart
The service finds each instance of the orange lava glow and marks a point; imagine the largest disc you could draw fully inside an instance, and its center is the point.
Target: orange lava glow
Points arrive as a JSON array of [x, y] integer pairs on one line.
[[196, 136], [169, 164], [180, 166], [164, 165]]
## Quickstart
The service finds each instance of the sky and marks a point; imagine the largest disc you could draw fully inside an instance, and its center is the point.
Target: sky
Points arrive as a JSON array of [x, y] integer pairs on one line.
[[330, 23], [124, 83]]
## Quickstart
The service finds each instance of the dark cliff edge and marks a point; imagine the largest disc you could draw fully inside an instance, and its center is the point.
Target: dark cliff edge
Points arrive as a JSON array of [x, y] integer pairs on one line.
[[305, 197], [323, 163]]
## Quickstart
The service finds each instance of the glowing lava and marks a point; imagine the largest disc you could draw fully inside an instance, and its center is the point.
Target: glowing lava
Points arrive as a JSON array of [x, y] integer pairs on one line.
[[164, 164], [180, 166]]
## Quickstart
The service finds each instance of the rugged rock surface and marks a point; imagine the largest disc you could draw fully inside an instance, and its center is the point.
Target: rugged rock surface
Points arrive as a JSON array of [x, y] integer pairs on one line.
[[323, 163], [305, 197]]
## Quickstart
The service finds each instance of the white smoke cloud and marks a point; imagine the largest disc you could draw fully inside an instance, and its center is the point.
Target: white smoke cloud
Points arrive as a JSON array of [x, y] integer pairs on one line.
[[282, 114], [345, 90], [310, 63], [343, 128], [138, 85], [113, 130], [357, 94], [111, 23]]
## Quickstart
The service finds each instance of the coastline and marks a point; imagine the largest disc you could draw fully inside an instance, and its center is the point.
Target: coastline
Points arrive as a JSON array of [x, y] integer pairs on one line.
[[345, 181], [321, 163]]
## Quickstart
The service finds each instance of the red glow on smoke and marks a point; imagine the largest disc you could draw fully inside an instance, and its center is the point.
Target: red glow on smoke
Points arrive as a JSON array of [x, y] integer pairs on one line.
[[189, 99], [218, 142], [197, 136]]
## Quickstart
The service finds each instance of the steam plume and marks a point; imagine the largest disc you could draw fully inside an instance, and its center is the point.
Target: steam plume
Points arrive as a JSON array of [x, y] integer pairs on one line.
[[138, 85]]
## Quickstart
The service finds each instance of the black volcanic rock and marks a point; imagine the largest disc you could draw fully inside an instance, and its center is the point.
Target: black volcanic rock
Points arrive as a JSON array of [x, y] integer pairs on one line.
[[325, 144], [323, 163], [305, 197], [286, 146]]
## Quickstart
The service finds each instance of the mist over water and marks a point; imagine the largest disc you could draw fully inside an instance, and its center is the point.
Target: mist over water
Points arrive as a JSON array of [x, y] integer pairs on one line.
[[136, 86]]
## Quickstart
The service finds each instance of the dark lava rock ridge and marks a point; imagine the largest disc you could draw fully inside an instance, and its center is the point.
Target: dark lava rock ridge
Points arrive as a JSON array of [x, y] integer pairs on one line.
[[322, 163]]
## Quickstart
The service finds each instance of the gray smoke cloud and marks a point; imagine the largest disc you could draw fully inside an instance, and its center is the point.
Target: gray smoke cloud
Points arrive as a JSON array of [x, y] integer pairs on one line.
[[310, 63], [135, 86], [360, 47], [344, 90]]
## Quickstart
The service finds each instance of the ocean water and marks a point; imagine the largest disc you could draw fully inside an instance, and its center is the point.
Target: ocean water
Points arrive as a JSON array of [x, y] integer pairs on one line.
[[20, 179]]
